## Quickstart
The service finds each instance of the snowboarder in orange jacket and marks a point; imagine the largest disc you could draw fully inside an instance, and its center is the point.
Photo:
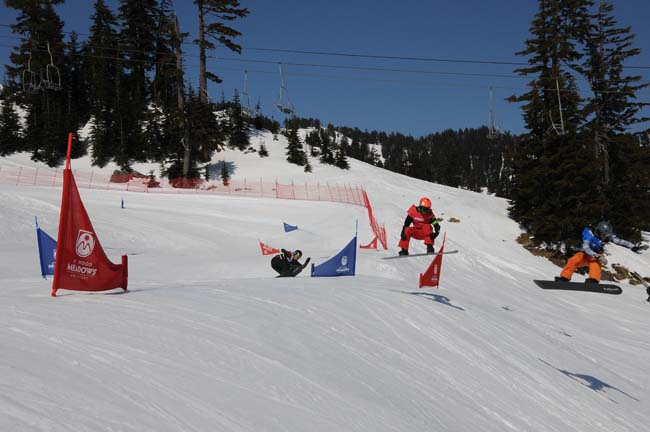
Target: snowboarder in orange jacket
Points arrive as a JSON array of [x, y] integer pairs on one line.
[[425, 226]]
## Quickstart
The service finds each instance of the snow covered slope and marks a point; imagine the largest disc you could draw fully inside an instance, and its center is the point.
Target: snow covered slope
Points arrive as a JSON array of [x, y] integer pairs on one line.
[[208, 340]]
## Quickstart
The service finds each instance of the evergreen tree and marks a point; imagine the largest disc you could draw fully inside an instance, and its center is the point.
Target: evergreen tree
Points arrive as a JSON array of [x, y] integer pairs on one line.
[[326, 150], [168, 108], [312, 139], [205, 135], [613, 106], [221, 11], [295, 153], [75, 91], [553, 143], [11, 140], [101, 72], [263, 152], [355, 149], [258, 118], [341, 160], [164, 84], [308, 167], [225, 173], [239, 138], [137, 42], [628, 192]]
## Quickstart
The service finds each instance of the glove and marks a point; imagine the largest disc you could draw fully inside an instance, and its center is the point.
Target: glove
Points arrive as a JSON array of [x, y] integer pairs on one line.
[[602, 260], [306, 262]]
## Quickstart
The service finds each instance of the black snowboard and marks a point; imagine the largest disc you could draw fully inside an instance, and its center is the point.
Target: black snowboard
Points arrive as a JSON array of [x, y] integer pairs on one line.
[[579, 286], [291, 273], [421, 254]]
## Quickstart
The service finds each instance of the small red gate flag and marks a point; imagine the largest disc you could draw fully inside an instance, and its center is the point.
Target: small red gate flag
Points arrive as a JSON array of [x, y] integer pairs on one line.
[[268, 250], [81, 264], [431, 277]]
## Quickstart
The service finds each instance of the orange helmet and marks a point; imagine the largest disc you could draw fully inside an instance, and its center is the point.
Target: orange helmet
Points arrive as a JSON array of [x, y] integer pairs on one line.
[[425, 202]]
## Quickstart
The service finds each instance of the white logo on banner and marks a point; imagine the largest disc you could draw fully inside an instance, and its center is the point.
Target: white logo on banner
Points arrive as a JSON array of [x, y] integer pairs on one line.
[[344, 265], [85, 243]]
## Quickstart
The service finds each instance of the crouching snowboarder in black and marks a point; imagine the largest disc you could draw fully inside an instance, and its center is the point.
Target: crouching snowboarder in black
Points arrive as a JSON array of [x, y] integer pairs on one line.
[[287, 264]]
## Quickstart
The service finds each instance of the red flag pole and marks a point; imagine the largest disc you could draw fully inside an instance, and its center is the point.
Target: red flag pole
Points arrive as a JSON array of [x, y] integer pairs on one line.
[[62, 216], [67, 157]]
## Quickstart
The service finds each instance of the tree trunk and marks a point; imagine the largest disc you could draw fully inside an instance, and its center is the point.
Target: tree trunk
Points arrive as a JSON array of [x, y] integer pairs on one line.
[[203, 81], [181, 99]]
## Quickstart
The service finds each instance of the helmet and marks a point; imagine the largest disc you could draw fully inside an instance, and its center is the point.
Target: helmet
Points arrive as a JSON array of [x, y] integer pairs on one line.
[[425, 202], [604, 229], [297, 254]]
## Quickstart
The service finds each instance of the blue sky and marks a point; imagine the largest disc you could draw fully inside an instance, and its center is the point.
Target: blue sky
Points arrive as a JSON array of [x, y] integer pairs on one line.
[[430, 97]]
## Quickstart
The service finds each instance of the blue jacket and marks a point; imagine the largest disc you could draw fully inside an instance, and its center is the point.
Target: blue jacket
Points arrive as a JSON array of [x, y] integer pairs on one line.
[[592, 245]]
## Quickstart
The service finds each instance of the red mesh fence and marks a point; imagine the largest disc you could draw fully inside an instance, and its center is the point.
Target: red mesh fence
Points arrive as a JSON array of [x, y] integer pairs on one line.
[[138, 183], [254, 188]]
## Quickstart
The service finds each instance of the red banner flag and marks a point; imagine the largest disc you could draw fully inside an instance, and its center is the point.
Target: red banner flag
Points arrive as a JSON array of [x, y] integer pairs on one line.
[[268, 250], [81, 264], [431, 277]]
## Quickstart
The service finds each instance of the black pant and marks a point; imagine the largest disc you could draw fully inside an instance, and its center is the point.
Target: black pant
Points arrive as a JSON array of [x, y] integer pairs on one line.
[[279, 265]]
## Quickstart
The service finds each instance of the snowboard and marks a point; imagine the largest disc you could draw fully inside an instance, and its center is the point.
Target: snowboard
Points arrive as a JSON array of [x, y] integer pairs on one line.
[[294, 273], [579, 286], [421, 254]]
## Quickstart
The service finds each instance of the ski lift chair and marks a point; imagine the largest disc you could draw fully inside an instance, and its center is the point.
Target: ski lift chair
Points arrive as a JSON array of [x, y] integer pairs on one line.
[[285, 108], [553, 127], [53, 77], [493, 133], [31, 81]]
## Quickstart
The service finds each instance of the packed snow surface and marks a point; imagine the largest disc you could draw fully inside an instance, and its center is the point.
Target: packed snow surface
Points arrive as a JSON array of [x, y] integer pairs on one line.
[[207, 339]]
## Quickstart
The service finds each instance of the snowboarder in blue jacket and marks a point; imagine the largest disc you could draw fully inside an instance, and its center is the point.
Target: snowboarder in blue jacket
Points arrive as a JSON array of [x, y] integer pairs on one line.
[[593, 251]]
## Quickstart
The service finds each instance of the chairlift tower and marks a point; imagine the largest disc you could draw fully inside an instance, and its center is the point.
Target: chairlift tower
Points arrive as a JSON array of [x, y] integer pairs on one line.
[[245, 98], [493, 132]]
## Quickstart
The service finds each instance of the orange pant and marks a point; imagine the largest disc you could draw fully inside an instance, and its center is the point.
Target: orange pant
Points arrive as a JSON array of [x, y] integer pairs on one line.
[[581, 259], [419, 232]]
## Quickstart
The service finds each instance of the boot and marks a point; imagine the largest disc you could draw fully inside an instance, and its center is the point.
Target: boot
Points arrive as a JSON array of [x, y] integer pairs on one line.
[[561, 279], [591, 281], [430, 249], [404, 252]]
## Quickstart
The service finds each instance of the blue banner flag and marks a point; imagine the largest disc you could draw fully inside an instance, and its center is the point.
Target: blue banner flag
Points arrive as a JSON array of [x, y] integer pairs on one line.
[[46, 251], [288, 228], [343, 264]]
